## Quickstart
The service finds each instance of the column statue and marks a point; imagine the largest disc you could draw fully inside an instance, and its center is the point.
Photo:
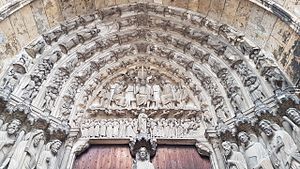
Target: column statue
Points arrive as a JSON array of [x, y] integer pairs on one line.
[[283, 150], [48, 157], [8, 140], [27, 151], [255, 153], [235, 159], [293, 119]]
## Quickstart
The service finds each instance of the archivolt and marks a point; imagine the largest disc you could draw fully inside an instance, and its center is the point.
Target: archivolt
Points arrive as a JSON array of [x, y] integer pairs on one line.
[[76, 60]]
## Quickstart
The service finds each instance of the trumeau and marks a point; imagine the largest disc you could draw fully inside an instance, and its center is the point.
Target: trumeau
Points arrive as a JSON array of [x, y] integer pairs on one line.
[[144, 75]]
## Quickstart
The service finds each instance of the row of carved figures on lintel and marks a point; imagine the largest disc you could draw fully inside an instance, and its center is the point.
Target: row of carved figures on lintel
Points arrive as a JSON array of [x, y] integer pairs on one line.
[[127, 127], [20, 150], [275, 148]]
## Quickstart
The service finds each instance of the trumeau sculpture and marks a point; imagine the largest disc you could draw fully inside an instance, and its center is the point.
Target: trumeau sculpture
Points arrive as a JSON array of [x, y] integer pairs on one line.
[[142, 160], [131, 73]]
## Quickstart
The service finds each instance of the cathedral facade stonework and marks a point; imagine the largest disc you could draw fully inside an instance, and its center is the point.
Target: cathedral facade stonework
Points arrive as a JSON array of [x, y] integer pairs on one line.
[[145, 75]]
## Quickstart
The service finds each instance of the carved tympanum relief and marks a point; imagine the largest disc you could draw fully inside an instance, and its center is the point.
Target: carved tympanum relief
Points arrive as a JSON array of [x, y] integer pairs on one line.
[[144, 88], [145, 71]]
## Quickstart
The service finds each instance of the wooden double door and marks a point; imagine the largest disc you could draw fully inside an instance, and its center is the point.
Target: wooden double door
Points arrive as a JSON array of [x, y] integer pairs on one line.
[[118, 157]]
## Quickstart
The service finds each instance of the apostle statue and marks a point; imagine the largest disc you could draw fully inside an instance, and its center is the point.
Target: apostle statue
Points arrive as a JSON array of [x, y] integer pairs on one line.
[[48, 156], [8, 140], [235, 159], [27, 152], [292, 119], [142, 160], [255, 153], [282, 148]]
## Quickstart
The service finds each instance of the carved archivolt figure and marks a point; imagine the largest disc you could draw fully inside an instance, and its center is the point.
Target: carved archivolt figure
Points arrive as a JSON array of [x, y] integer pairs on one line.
[[235, 159], [275, 77], [236, 98], [254, 86], [255, 153], [142, 160], [10, 81], [283, 150], [47, 159], [27, 151], [8, 138]]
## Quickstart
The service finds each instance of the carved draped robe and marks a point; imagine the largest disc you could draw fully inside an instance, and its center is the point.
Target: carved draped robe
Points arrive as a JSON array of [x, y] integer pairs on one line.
[[156, 94], [287, 156], [167, 95], [144, 165], [129, 95], [142, 123], [109, 129], [47, 160], [122, 129], [103, 129], [237, 161], [257, 155], [6, 144], [129, 130], [115, 129], [25, 155], [143, 95]]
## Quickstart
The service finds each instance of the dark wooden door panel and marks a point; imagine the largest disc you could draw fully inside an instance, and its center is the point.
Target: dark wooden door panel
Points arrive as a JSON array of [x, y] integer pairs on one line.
[[104, 157], [179, 157]]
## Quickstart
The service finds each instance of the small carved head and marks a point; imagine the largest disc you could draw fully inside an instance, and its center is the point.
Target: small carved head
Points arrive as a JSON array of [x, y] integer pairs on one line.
[[38, 136], [243, 137], [227, 148], [293, 114], [143, 154], [265, 126], [13, 126]]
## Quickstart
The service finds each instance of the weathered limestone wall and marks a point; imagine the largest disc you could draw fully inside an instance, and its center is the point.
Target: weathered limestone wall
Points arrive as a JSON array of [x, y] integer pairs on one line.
[[259, 25]]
